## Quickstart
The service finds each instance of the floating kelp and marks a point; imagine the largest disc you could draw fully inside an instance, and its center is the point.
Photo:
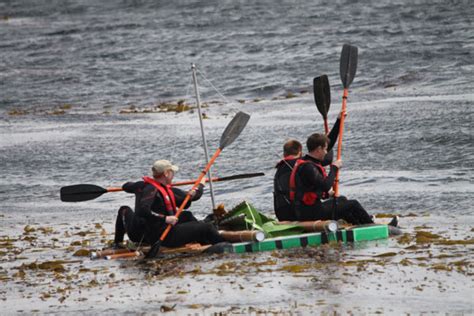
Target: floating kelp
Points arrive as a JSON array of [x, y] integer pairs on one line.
[[46, 230], [295, 268], [425, 237], [166, 308], [7, 244], [29, 238], [405, 238], [290, 95], [41, 110], [56, 112], [85, 233], [82, 253], [440, 266], [28, 229], [178, 107], [386, 254], [405, 262], [384, 215], [56, 266], [66, 106], [15, 112], [449, 242]]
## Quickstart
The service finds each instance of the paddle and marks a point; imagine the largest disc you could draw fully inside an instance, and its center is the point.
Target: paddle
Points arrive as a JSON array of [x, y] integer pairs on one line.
[[231, 132], [322, 97], [86, 192], [347, 70]]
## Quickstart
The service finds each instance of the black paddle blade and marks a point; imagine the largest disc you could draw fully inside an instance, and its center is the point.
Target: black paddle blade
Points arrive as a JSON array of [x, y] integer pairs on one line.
[[322, 94], [348, 64], [154, 250], [241, 176], [81, 192], [234, 129]]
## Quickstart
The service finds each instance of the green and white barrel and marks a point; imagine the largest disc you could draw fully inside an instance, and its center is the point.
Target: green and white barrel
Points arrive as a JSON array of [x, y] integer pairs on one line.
[[354, 234]]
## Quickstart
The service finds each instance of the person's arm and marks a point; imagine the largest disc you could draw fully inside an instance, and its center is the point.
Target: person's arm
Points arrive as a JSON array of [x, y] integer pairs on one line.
[[198, 192], [328, 158], [133, 187], [334, 133], [312, 178], [331, 177], [180, 195]]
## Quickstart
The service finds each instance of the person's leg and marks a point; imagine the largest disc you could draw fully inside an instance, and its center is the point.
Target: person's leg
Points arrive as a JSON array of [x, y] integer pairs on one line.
[[186, 216], [134, 226], [120, 225], [184, 233], [352, 212]]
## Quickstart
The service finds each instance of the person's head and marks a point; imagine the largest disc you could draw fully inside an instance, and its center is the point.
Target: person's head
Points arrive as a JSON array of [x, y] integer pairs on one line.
[[292, 148], [317, 145], [164, 170]]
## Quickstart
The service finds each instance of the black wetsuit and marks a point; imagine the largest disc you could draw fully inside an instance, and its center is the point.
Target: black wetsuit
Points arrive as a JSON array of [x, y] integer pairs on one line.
[[281, 202], [309, 178], [148, 222]]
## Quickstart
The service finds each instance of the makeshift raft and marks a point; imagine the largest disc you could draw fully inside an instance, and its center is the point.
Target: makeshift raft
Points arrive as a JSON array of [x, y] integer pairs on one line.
[[247, 230], [344, 236]]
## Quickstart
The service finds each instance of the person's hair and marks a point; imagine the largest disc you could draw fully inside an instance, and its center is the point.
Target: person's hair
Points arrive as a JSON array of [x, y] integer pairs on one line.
[[316, 140], [156, 174], [292, 148]]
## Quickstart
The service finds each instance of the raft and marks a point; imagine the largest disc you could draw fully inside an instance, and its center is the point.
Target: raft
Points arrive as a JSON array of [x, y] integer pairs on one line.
[[349, 235], [247, 230]]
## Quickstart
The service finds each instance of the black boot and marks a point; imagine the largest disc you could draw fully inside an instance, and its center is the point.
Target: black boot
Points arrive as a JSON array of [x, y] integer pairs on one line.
[[394, 221]]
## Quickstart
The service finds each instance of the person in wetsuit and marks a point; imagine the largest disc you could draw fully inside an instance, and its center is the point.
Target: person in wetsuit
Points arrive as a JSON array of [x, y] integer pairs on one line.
[[292, 151], [156, 206], [309, 185]]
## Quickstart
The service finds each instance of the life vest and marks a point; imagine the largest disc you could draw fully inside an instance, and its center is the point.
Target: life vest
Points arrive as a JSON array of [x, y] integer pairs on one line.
[[166, 193], [309, 197]]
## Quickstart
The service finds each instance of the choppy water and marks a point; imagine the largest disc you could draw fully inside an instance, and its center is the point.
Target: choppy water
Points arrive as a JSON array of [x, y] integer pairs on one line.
[[408, 140]]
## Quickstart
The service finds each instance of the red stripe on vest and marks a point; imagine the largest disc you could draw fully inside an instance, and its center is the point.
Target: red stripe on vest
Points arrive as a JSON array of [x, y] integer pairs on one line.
[[166, 193], [308, 196]]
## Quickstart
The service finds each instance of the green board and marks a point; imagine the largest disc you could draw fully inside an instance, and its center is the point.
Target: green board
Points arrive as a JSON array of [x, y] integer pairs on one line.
[[355, 234]]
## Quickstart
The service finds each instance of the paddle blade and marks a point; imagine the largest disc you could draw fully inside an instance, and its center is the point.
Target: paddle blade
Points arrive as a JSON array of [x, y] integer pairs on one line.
[[348, 64], [322, 94], [81, 192], [241, 176], [234, 129], [154, 250]]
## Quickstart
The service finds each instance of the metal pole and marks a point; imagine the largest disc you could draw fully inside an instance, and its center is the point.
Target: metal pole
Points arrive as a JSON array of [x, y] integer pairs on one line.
[[206, 153]]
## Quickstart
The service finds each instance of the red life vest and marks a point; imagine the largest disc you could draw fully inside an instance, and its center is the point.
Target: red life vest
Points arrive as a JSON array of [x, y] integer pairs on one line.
[[166, 193], [310, 197]]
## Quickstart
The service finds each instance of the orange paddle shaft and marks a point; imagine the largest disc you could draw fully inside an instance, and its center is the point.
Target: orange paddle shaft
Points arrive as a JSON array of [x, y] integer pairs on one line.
[[339, 143], [188, 196]]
